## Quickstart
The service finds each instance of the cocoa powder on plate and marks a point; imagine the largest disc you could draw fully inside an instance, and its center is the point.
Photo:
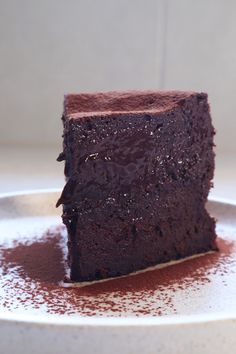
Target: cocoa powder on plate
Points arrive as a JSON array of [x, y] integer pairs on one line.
[[32, 276]]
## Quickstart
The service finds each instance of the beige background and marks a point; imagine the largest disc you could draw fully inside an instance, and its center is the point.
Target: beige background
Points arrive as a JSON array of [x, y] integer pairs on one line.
[[51, 47]]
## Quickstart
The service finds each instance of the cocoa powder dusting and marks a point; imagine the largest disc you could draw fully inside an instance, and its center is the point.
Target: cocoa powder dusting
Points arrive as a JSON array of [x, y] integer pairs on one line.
[[32, 275], [41, 261]]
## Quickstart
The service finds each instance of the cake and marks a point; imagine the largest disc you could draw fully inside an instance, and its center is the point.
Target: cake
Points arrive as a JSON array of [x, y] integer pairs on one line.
[[138, 168]]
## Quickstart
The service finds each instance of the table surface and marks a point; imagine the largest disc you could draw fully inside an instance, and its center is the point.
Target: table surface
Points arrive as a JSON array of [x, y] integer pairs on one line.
[[27, 168]]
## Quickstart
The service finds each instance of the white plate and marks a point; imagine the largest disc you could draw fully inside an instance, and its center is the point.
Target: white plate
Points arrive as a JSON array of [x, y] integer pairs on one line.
[[195, 313]]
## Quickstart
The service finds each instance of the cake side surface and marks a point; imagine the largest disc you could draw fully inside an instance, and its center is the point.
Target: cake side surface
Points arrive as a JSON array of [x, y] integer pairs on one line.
[[136, 188]]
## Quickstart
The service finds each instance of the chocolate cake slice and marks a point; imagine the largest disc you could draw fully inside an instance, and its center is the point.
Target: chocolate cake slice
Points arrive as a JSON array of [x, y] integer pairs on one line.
[[138, 169]]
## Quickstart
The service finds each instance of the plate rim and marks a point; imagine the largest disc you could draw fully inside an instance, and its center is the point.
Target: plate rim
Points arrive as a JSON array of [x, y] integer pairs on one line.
[[83, 321]]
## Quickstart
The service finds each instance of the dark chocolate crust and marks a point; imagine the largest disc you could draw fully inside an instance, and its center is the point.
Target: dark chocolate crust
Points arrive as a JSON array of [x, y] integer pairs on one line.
[[138, 167]]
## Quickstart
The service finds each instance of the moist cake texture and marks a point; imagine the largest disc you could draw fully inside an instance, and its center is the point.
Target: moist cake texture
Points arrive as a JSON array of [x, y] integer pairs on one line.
[[138, 169]]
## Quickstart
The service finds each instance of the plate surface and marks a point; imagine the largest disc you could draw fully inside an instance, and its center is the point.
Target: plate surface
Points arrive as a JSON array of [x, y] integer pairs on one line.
[[193, 301]]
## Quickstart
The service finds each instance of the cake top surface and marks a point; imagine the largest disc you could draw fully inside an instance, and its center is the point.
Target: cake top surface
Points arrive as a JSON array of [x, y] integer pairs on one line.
[[115, 102]]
